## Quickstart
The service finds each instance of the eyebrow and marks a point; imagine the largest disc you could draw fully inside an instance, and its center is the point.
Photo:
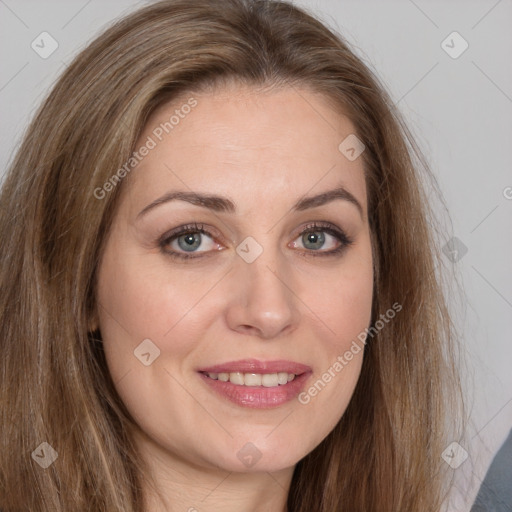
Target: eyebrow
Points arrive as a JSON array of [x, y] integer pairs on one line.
[[223, 204]]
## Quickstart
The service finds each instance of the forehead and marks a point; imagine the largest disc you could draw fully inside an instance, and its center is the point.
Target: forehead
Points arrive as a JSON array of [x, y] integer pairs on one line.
[[249, 144]]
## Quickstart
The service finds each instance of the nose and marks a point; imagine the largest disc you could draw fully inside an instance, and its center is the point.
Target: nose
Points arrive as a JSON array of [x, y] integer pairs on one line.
[[264, 303]]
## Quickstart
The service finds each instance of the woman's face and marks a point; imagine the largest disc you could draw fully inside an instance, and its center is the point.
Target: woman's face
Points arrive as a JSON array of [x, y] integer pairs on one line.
[[237, 273]]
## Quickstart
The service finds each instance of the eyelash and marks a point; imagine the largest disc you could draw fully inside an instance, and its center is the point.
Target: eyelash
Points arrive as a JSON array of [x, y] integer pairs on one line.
[[188, 229]]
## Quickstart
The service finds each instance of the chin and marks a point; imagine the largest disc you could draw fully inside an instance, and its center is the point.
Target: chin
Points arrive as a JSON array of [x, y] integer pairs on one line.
[[261, 455]]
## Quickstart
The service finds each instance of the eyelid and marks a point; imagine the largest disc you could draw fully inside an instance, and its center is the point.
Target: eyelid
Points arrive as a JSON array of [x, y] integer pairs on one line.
[[320, 226], [194, 227]]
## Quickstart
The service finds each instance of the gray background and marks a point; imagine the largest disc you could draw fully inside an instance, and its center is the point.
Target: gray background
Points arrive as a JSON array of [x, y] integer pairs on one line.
[[460, 110]]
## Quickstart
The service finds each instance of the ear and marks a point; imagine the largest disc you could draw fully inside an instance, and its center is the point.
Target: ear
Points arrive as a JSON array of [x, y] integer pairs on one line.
[[93, 323]]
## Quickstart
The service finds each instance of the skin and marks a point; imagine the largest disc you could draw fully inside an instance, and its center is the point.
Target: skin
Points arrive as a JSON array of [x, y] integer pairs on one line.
[[287, 304]]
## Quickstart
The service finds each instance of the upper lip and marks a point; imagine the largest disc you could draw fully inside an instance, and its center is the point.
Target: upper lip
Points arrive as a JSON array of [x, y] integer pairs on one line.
[[257, 366]]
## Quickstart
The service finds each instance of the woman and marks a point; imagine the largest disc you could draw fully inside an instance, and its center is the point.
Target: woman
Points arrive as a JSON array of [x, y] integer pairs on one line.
[[219, 286]]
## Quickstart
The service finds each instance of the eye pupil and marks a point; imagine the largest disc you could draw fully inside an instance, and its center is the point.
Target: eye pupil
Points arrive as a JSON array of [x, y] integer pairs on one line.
[[190, 241], [313, 240]]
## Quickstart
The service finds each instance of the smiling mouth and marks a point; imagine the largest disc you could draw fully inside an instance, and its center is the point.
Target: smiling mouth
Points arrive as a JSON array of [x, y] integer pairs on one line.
[[256, 384], [267, 380]]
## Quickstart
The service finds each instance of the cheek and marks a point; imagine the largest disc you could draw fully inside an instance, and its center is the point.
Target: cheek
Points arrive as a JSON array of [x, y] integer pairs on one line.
[[342, 300], [346, 307], [139, 300], [342, 304]]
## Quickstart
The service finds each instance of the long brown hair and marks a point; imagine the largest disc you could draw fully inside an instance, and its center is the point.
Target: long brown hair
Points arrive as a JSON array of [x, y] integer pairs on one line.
[[385, 453]]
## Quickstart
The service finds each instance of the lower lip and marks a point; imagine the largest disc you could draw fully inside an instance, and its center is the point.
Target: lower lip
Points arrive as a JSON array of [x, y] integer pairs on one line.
[[258, 397]]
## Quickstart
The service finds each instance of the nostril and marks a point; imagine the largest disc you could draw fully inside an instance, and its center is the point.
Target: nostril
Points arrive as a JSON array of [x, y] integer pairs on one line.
[[248, 329]]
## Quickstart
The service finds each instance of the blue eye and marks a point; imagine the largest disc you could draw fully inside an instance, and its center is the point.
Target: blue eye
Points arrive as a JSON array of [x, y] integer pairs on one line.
[[186, 241], [313, 240], [321, 240], [189, 242]]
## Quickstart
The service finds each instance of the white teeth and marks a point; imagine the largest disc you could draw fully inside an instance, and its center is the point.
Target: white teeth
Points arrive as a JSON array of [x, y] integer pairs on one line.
[[252, 379], [267, 380], [282, 378], [236, 378]]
